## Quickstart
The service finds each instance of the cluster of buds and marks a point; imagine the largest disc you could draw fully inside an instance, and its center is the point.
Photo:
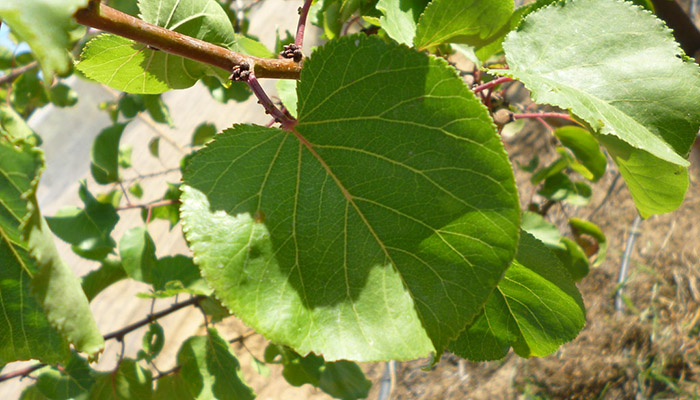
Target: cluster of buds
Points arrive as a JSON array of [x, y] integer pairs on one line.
[[292, 51], [240, 72]]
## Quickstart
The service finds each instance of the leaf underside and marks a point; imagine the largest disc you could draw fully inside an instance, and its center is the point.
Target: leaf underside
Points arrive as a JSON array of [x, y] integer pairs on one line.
[[616, 67], [377, 228]]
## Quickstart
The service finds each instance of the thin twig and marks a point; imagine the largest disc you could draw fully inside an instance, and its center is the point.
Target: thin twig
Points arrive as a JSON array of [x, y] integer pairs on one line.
[[301, 26], [148, 205], [16, 72], [102, 17], [270, 108], [129, 328], [492, 83], [21, 372], [545, 115], [624, 266]]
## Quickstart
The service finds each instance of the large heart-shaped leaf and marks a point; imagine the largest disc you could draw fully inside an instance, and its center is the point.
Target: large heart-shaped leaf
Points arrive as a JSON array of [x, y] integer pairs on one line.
[[377, 228]]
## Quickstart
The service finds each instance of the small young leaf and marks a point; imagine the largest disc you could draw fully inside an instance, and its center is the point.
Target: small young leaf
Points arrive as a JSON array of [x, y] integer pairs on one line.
[[210, 369], [110, 271], [88, 229], [583, 227], [344, 380], [473, 22], [154, 146], [170, 212], [152, 342], [136, 189], [124, 156], [138, 254], [157, 109], [130, 105], [63, 95], [28, 93], [559, 187], [535, 309], [585, 147], [104, 155], [203, 133], [177, 274]]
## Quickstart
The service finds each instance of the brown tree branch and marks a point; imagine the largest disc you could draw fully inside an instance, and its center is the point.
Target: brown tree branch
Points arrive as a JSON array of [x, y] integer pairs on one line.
[[110, 20], [16, 72]]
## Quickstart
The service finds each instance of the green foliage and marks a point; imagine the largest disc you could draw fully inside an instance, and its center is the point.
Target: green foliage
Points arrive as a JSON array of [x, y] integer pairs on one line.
[[381, 223], [535, 308], [88, 229], [45, 26], [340, 379], [639, 96], [363, 186], [472, 22], [21, 338], [105, 154], [210, 370]]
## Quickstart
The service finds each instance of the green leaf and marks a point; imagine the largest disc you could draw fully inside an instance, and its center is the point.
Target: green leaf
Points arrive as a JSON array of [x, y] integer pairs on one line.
[[124, 156], [169, 212], [130, 105], [15, 127], [63, 95], [287, 91], [25, 332], [297, 370], [535, 309], [559, 187], [203, 133], [32, 393], [129, 381], [73, 380], [210, 369], [177, 274], [154, 146], [586, 149], [28, 93], [34, 255], [44, 25], [153, 341], [157, 109], [569, 252], [344, 380], [134, 68], [88, 229], [110, 271], [583, 227], [400, 18], [637, 88], [237, 91], [340, 379], [104, 155], [172, 387], [394, 186], [138, 253], [657, 186], [473, 22], [136, 189]]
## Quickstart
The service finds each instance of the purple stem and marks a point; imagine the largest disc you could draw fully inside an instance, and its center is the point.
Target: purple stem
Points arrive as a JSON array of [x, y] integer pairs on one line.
[[287, 123], [299, 40], [492, 83]]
